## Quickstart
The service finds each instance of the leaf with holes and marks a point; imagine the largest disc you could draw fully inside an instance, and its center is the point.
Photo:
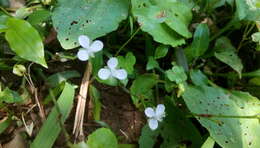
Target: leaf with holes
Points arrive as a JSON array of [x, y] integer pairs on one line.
[[226, 53], [92, 18], [233, 130], [166, 21]]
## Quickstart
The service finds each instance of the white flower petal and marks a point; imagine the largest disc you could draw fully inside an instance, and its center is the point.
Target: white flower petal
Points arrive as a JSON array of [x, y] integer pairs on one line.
[[104, 73], [112, 63], [83, 55], [96, 46], [153, 124], [149, 112], [160, 112], [84, 41], [120, 74]]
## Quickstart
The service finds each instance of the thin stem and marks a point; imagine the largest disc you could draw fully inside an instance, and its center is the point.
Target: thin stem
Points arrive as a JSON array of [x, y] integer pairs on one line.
[[229, 25], [132, 36], [3, 9]]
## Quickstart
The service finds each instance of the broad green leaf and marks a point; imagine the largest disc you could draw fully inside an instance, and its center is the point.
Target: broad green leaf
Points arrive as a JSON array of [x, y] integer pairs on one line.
[[9, 96], [176, 74], [161, 51], [57, 78], [165, 21], [39, 16], [97, 62], [226, 53], [242, 9], [209, 143], [127, 62], [177, 129], [152, 63], [95, 96], [198, 78], [3, 20], [200, 42], [25, 41], [141, 87], [229, 131], [247, 10], [255, 81], [51, 127], [148, 137], [93, 18], [4, 123], [102, 138]]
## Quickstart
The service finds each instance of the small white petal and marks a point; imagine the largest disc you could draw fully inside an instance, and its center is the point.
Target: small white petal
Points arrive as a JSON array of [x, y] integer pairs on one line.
[[112, 63], [149, 112], [84, 41], [153, 124], [96, 46], [104, 73], [120, 74], [160, 112], [83, 55]]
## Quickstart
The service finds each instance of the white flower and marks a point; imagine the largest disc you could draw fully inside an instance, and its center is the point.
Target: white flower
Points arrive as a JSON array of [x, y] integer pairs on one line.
[[89, 48], [155, 115], [112, 71]]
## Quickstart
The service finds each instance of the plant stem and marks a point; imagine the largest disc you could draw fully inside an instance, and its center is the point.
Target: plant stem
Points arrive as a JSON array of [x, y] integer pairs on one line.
[[230, 24], [132, 36]]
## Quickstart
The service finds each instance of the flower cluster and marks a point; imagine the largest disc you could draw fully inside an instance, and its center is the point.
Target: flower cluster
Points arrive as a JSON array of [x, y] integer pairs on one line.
[[89, 48], [111, 71], [155, 115]]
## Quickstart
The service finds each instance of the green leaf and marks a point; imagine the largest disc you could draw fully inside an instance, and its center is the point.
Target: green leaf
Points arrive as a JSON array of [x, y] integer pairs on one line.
[[176, 74], [166, 21], [4, 123], [97, 62], [209, 143], [93, 18], [51, 127], [161, 51], [102, 138], [148, 137], [152, 63], [127, 62], [3, 20], [177, 128], [25, 41], [39, 16], [198, 78], [242, 9], [232, 131], [9, 96], [226, 53], [95, 96], [141, 87], [57, 78], [200, 42]]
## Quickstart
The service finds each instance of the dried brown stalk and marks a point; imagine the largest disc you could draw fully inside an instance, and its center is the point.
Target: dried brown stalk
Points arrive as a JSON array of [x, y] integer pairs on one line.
[[82, 100]]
